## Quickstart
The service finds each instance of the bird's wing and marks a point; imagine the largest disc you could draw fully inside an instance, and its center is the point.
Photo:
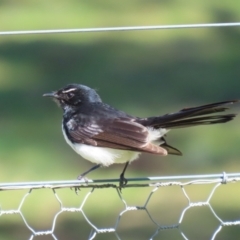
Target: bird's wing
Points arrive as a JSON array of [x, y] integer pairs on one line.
[[119, 133]]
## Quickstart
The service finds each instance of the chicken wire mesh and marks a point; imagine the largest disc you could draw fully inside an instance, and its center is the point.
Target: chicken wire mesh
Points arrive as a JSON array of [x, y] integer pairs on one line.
[[177, 207]]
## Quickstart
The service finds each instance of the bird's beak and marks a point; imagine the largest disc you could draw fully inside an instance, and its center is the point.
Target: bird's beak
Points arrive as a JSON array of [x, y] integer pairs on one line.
[[52, 95]]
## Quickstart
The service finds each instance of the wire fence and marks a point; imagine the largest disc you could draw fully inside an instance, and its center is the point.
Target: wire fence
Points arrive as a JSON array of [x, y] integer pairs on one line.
[[114, 29], [152, 185]]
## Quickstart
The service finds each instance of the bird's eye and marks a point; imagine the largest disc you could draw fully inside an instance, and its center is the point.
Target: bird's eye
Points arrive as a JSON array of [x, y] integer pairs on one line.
[[72, 98], [70, 95]]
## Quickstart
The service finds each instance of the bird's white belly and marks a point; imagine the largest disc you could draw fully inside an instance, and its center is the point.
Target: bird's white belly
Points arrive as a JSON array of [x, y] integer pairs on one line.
[[102, 155]]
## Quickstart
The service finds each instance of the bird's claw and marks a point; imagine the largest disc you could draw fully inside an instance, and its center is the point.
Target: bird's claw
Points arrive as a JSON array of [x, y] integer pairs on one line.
[[80, 177], [122, 183]]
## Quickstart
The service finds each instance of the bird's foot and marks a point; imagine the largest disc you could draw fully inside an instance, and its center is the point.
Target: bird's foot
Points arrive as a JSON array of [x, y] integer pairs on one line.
[[123, 182], [81, 177]]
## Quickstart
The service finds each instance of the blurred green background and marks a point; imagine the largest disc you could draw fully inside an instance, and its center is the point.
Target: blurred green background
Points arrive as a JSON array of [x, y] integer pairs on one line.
[[143, 73]]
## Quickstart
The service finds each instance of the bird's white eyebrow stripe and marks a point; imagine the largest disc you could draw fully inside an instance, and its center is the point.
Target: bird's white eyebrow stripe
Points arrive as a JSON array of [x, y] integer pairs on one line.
[[69, 90]]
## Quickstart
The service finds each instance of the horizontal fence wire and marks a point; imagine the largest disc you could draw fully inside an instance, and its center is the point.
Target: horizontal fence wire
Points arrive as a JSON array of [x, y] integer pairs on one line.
[[154, 183], [111, 29], [145, 181]]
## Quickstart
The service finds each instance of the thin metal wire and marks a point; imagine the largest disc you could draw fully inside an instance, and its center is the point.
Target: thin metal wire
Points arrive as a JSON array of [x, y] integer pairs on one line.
[[131, 28], [221, 177]]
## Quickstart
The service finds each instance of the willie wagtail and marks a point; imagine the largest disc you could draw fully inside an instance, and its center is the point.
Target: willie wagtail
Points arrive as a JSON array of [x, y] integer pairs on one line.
[[105, 135]]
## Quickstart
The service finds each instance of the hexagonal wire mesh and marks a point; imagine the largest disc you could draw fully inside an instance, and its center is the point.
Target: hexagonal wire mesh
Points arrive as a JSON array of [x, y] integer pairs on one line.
[[149, 187]]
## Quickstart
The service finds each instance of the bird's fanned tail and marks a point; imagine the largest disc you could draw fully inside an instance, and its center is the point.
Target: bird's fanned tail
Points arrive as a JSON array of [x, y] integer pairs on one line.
[[188, 117]]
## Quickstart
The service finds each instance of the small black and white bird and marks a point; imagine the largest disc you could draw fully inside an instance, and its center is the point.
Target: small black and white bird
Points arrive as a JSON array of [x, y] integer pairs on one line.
[[105, 135]]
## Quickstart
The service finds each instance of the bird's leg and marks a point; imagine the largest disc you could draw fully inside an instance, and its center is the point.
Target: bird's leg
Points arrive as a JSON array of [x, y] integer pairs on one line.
[[88, 171], [123, 180]]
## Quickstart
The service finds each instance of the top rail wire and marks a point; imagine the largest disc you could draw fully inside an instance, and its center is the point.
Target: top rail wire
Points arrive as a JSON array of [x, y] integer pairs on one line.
[[110, 29], [222, 177]]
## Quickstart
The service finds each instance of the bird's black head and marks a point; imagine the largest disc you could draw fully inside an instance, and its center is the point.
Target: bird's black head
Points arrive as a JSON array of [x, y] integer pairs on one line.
[[73, 96]]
